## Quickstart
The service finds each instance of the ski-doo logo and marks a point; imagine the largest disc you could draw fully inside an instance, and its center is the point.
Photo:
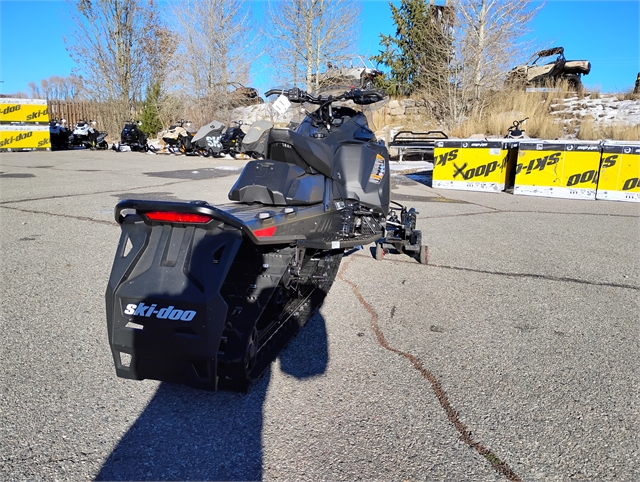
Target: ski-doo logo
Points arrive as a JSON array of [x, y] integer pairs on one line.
[[585, 177], [447, 156], [632, 183], [35, 115], [609, 161], [213, 141], [19, 137], [539, 163], [163, 313], [479, 171], [11, 108]]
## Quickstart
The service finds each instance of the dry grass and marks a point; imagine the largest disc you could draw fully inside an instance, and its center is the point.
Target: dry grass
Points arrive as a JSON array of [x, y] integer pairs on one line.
[[628, 96], [507, 106], [594, 94], [590, 130], [504, 107]]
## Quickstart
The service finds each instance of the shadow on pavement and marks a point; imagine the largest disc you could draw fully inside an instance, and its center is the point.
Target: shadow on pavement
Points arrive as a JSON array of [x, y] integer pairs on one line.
[[189, 434]]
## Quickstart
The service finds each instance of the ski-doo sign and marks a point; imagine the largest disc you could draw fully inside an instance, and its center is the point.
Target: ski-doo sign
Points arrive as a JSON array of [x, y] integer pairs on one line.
[[169, 312], [24, 110], [471, 165]]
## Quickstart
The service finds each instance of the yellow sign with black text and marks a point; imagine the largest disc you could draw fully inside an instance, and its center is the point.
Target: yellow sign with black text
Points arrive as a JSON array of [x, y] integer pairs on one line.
[[24, 111], [558, 169], [17, 138], [619, 178], [470, 164]]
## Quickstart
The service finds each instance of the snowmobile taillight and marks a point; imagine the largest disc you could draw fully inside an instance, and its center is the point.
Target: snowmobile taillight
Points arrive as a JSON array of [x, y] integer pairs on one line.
[[175, 217], [265, 232]]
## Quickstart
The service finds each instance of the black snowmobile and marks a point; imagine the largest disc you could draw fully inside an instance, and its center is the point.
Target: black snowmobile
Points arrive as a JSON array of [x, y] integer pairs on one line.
[[132, 138], [59, 134], [208, 295], [231, 139]]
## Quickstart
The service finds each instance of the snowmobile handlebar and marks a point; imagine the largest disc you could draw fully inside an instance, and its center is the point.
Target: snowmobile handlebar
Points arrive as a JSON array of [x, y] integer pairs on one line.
[[360, 97], [516, 123]]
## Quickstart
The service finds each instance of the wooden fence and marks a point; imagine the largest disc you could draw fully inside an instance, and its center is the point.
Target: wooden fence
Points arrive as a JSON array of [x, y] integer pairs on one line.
[[72, 111]]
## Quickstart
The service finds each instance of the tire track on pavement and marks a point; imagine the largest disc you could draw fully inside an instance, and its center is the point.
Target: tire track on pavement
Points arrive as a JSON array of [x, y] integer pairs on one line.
[[452, 414]]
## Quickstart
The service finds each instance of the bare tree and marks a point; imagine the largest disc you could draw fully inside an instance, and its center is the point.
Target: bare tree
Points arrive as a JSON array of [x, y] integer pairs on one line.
[[471, 47], [302, 35], [57, 88], [492, 39], [117, 44], [214, 48]]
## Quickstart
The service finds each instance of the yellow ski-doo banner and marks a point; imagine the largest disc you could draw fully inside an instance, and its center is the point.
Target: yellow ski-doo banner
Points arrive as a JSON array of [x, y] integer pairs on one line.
[[620, 172], [16, 138], [470, 165], [566, 169], [24, 110]]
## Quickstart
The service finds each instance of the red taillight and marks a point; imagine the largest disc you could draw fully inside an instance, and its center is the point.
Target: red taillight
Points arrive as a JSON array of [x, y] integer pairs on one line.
[[174, 217], [265, 232]]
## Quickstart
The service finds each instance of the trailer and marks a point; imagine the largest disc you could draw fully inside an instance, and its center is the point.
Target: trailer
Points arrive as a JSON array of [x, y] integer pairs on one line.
[[409, 142]]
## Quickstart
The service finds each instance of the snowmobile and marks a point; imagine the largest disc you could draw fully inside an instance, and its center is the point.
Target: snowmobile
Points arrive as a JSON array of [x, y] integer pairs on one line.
[[59, 134], [207, 295], [231, 139], [132, 138], [515, 131], [236, 141], [86, 135], [178, 138], [254, 142], [206, 142]]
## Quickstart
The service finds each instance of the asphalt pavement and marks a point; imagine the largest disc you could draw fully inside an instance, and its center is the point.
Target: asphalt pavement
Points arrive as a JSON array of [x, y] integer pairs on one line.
[[512, 355]]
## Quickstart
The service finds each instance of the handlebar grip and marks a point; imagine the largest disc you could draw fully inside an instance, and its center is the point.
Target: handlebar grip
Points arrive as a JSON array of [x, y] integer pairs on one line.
[[274, 92]]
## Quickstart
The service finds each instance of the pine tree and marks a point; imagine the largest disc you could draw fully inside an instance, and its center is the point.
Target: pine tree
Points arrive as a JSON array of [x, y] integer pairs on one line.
[[150, 119], [422, 42]]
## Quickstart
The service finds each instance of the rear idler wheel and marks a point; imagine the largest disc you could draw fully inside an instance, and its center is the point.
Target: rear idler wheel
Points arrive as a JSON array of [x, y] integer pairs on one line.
[[251, 351]]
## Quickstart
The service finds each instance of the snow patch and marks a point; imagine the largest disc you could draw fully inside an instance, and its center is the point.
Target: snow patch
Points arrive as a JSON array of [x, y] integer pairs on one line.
[[607, 109]]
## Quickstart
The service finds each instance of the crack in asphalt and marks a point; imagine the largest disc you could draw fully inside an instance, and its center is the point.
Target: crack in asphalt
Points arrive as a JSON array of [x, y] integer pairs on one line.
[[452, 415], [536, 276], [62, 196], [511, 211], [563, 279], [67, 216]]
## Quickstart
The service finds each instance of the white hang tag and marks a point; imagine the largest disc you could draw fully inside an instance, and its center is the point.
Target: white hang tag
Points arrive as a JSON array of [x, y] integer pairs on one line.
[[281, 104]]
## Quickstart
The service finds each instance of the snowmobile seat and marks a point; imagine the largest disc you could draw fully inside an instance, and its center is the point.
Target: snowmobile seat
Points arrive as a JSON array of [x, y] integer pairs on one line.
[[288, 146], [277, 183]]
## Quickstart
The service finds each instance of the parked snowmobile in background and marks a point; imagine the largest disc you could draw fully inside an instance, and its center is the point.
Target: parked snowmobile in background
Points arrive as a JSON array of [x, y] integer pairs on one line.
[[132, 138], [208, 295], [86, 135], [254, 142], [59, 134], [207, 141], [231, 139], [178, 137], [515, 131], [251, 142]]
